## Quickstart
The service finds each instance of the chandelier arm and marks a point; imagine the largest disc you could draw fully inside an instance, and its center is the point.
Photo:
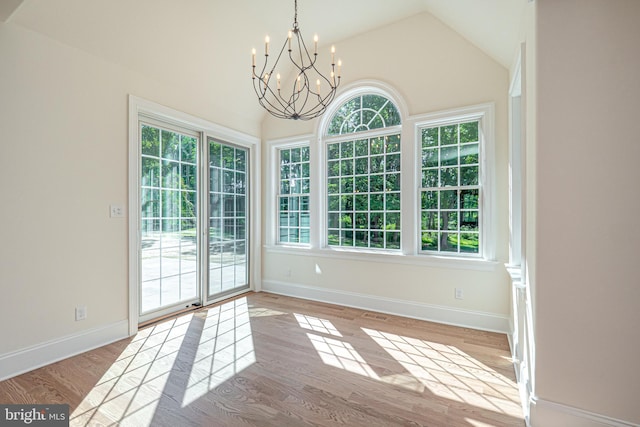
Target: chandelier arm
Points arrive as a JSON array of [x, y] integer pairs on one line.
[[306, 100]]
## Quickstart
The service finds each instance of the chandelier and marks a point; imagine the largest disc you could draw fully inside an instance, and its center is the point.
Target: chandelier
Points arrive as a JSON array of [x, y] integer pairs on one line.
[[309, 94]]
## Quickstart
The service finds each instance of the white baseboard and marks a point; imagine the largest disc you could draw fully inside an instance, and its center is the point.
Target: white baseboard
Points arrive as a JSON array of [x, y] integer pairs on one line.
[[30, 358], [545, 413], [434, 313]]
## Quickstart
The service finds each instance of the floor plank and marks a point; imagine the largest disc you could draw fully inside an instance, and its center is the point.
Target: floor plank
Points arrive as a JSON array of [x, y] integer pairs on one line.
[[268, 360]]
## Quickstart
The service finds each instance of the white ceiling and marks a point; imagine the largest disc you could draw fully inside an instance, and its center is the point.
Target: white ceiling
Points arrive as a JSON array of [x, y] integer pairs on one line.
[[209, 41]]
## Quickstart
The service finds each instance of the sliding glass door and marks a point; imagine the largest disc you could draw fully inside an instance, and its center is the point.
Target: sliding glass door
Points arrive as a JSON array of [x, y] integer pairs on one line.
[[181, 201], [228, 219]]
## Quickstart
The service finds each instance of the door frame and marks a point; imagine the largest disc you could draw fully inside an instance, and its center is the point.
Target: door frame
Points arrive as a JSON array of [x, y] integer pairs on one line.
[[141, 107]]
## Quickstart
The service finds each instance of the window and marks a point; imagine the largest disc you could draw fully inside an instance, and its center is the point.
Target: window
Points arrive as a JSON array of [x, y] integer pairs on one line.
[[363, 174], [450, 189], [293, 195]]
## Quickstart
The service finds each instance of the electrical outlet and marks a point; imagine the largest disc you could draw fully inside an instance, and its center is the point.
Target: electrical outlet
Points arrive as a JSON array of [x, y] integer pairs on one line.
[[81, 312], [459, 293], [116, 211], [287, 273]]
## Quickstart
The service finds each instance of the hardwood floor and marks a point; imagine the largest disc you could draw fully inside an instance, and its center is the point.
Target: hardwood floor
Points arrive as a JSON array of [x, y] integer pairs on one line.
[[268, 360]]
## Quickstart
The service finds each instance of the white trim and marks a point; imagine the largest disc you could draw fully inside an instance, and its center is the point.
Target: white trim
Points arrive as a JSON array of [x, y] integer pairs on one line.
[[30, 358], [138, 108], [273, 175], [362, 87], [549, 413], [433, 313], [390, 257], [485, 113]]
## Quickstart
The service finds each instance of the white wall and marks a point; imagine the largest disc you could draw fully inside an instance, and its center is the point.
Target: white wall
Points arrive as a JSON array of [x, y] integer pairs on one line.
[[433, 68], [63, 161], [587, 196]]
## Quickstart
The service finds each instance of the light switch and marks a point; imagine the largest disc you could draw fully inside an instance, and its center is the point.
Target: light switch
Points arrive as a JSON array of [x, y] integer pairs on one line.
[[116, 211]]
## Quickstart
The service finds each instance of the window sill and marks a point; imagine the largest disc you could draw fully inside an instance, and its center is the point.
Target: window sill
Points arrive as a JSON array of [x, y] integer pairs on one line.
[[454, 263]]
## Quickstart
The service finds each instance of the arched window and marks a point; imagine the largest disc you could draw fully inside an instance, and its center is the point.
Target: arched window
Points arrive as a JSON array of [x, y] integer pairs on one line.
[[362, 113], [363, 174]]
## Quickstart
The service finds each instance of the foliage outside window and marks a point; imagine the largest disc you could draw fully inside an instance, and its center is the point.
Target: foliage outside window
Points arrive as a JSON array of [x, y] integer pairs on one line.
[[293, 196], [450, 191], [168, 181], [228, 171], [363, 175]]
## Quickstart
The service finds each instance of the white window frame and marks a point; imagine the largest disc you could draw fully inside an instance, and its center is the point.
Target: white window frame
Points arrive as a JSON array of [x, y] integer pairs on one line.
[[146, 110], [410, 253], [484, 114], [272, 215]]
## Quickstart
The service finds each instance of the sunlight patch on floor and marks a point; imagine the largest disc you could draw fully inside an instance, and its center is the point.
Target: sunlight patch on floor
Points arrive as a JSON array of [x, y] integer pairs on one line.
[[450, 373], [316, 324], [341, 355], [130, 391], [225, 348]]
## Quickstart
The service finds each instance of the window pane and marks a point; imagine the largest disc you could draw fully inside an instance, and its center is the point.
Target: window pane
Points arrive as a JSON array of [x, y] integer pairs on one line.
[[469, 243], [469, 221], [294, 210], [362, 166], [170, 142], [429, 138], [393, 144], [377, 164], [448, 220], [469, 132], [469, 175], [362, 147], [362, 239], [150, 172], [393, 182], [393, 240], [393, 201], [449, 135], [333, 168], [376, 145], [362, 202], [377, 239], [392, 221], [346, 149], [346, 185], [429, 200], [430, 178], [469, 199], [429, 220], [430, 241], [450, 158], [449, 177], [333, 151], [362, 184], [469, 154], [393, 163], [333, 185], [430, 157], [150, 141], [449, 242], [189, 149], [188, 177], [295, 155], [449, 199]]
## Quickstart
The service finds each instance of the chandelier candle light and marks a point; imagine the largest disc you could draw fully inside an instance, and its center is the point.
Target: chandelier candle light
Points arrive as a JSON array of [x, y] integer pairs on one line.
[[310, 93]]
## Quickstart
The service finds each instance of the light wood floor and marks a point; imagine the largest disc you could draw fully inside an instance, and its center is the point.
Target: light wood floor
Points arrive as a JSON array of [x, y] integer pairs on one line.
[[268, 360]]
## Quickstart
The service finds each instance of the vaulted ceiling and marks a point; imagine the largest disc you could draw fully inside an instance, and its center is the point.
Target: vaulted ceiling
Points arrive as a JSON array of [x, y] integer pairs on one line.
[[208, 42]]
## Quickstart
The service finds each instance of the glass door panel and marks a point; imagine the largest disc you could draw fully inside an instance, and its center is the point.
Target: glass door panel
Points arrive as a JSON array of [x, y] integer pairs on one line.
[[228, 219], [169, 244]]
